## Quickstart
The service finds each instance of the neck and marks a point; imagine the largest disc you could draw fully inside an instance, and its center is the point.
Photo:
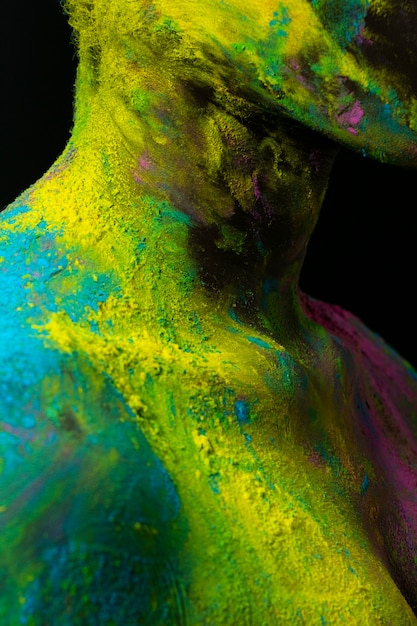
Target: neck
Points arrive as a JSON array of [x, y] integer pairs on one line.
[[219, 195]]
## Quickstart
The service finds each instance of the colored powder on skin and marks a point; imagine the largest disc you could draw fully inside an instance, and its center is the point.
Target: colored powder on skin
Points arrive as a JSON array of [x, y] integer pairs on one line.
[[242, 412], [185, 435]]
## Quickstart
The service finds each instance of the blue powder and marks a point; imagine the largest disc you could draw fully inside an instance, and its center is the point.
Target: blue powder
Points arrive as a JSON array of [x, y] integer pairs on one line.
[[242, 412]]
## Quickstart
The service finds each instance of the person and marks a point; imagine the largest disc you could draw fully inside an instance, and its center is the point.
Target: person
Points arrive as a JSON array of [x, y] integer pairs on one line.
[[186, 437]]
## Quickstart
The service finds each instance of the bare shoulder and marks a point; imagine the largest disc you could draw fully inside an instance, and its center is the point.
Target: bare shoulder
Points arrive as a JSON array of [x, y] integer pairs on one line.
[[389, 375], [27, 262], [383, 395], [89, 516], [385, 390]]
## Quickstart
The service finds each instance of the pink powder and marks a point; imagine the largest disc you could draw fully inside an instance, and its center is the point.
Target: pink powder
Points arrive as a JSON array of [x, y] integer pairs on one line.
[[294, 64], [351, 117], [383, 376], [144, 163]]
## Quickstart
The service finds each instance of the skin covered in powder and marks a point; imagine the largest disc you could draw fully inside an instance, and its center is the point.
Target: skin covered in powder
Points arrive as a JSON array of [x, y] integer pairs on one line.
[[186, 439]]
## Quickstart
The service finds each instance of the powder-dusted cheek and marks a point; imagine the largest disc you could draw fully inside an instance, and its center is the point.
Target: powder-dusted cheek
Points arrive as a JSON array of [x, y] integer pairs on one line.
[[328, 85], [331, 66]]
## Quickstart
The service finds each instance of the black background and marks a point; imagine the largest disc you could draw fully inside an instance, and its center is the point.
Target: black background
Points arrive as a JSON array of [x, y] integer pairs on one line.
[[362, 255]]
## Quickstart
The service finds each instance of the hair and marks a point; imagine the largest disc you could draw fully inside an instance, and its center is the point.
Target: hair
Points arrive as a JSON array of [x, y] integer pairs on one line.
[[95, 22], [99, 25], [82, 17]]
